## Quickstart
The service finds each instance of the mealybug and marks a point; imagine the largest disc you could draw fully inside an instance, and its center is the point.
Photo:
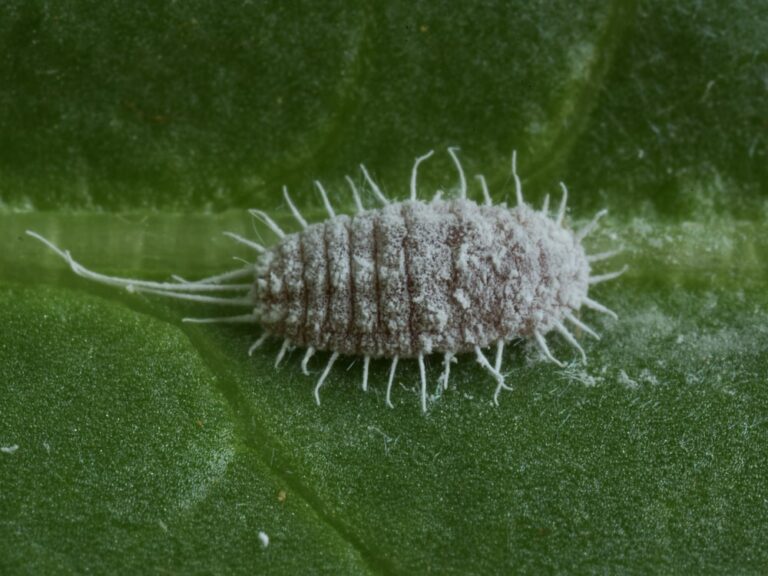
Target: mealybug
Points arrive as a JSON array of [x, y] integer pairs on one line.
[[409, 279]]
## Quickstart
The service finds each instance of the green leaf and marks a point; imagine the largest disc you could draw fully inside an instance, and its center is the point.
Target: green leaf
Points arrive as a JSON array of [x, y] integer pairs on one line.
[[134, 134]]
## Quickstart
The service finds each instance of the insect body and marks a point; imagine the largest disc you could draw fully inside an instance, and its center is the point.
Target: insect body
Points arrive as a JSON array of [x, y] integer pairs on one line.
[[407, 280]]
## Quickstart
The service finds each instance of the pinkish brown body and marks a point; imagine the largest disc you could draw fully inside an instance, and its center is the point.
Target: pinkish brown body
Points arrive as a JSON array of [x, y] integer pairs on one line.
[[415, 278]]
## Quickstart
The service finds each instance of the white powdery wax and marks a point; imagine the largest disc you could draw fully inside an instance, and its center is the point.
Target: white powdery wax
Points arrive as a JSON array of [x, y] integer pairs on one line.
[[409, 279]]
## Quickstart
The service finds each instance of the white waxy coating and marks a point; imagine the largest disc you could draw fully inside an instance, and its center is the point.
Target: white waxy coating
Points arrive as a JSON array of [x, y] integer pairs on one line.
[[406, 280], [414, 278]]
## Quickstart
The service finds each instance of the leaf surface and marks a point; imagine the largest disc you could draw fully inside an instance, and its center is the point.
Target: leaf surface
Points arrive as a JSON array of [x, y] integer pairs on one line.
[[134, 134]]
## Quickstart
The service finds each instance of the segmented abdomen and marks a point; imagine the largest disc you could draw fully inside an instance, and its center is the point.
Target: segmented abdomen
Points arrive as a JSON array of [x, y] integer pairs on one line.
[[406, 279]]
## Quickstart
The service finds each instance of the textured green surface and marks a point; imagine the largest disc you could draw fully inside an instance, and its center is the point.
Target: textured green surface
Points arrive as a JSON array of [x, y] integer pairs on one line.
[[132, 134]]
